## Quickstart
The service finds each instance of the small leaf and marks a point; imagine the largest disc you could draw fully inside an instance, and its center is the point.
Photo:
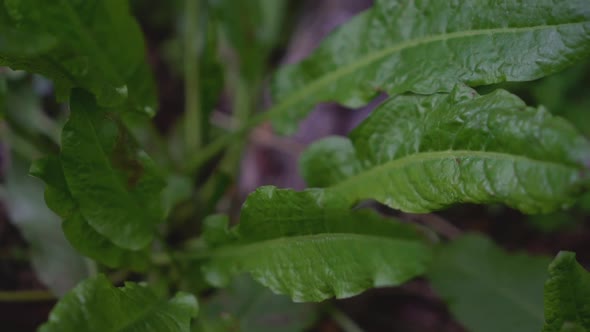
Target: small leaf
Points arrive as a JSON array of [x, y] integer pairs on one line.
[[567, 295], [246, 306], [116, 186], [329, 161], [77, 230], [95, 305], [95, 45], [421, 154], [429, 46], [310, 246], [487, 289]]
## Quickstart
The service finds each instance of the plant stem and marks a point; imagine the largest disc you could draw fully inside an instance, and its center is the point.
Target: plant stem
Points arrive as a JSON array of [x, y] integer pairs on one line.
[[192, 40], [26, 296], [347, 324], [212, 149]]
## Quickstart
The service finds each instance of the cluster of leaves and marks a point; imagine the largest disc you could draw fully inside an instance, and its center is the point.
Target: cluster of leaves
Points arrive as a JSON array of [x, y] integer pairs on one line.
[[435, 142]]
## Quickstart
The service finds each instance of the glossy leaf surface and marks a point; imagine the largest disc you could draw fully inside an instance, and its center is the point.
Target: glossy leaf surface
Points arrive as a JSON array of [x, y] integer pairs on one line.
[[96, 45], [311, 246], [95, 305], [429, 46], [420, 154], [567, 296], [487, 289]]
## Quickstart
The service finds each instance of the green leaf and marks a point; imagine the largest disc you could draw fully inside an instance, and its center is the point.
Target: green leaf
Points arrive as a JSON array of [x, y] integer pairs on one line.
[[96, 45], [429, 46], [311, 246], [115, 185], [567, 295], [75, 227], [420, 154], [95, 305], [55, 262], [252, 29], [246, 306], [486, 288]]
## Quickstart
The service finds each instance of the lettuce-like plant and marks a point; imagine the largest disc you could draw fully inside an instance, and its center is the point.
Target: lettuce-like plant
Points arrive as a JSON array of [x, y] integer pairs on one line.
[[434, 142]]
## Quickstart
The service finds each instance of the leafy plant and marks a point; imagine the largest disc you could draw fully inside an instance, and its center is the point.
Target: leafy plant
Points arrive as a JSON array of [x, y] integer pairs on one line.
[[139, 206]]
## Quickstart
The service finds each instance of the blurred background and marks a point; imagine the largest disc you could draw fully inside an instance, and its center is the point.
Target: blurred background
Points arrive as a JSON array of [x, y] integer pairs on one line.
[[34, 255]]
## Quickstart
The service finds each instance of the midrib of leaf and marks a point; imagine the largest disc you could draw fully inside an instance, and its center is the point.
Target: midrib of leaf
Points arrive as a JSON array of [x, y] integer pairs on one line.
[[376, 56], [426, 156], [507, 293], [299, 96], [243, 249]]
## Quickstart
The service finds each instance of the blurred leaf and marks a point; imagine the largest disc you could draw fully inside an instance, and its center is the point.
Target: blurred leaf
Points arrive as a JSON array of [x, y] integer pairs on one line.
[[567, 295], [3, 95], [486, 288], [95, 45], [178, 188], [95, 305], [55, 262], [553, 222], [252, 29], [246, 306], [76, 228], [24, 113], [425, 153], [311, 246], [568, 95], [428, 46]]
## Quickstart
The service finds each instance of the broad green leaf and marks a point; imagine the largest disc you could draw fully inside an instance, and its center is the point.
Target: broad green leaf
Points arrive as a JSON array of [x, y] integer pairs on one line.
[[311, 246], [77, 230], [95, 305], [420, 154], [487, 289], [246, 306], [429, 46], [567, 295], [115, 185], [54, 261], [96, 45]]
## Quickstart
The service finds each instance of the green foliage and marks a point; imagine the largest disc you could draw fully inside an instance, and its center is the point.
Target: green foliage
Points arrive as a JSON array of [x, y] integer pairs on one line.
[[75, 226], [115, 184], [248, 307], [299, 244], [428, 46], [252, 29], [435, 142], [95, 45], [130, 308], [488, 289], [567, 296], [421, 154]]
